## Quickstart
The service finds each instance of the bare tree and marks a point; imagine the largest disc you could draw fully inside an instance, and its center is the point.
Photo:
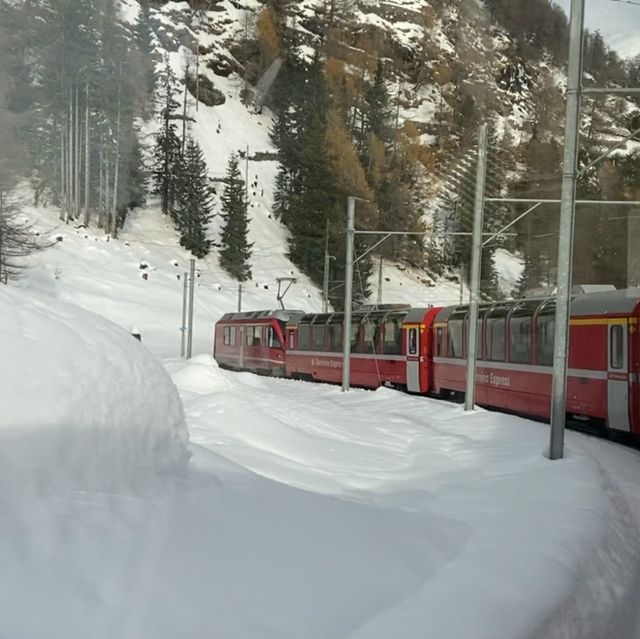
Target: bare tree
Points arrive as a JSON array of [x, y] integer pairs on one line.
[[17, 241]]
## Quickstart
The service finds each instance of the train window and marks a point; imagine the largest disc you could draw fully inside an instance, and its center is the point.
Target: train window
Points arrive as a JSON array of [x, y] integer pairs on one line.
[[496, 328], [334, 338], [479, 340], [439, 341], [318, 337], [355, 334], [371, 333], [546, 327], [257, 336], [616, 347], [232, 336], [292, 340], [495, 338], [392, 337], [413, 341], [520, 334], [225, 335], [248, 335], [274, 340], [304, 341], [455, 337]]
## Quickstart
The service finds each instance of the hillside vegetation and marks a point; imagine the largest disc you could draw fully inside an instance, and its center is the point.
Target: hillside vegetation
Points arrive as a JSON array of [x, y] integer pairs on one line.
[[375, 99]]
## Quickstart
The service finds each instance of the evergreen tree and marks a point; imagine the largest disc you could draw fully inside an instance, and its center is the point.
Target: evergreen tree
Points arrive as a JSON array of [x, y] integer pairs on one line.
[[378, 109], [306, 194], [193, 200], [144, 41], [168, 147], [236, 249]]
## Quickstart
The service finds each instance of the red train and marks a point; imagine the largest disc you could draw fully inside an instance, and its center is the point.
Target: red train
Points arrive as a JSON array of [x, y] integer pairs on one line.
[[423, 350]]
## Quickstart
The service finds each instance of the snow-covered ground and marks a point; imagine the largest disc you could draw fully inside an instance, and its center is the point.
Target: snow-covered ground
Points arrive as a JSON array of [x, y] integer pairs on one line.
[[303, 512]]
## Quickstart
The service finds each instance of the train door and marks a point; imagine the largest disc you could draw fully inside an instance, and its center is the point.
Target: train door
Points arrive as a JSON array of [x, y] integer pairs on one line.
[[413, 359], [241, 344], [618, 377]]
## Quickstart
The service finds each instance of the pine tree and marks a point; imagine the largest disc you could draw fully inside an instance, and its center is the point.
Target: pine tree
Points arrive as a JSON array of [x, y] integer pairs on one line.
[[193, 200], [306, 195], [378, 109], [167, 149], [144, 38], [236, 249]]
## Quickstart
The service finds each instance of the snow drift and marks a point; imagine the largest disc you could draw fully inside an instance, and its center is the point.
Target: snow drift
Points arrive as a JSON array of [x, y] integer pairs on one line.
[[80, 399]]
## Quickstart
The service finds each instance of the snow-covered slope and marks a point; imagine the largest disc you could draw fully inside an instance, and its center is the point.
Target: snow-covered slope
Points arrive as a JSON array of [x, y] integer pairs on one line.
[[233, 127], [146, 265], [305, 512]]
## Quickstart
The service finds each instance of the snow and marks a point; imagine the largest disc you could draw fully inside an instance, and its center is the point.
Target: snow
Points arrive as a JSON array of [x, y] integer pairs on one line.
[[99, 404], [303, 511], [294, 510], [509, 268]]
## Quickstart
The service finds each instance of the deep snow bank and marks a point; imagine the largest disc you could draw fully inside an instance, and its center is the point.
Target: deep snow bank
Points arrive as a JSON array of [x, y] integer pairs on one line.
[[80, 399], [507, 545]]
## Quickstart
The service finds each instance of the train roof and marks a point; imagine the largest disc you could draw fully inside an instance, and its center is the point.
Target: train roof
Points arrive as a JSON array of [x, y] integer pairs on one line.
[[279, 314], [362, 314], [609, 302], [416, 315], [621, 302]]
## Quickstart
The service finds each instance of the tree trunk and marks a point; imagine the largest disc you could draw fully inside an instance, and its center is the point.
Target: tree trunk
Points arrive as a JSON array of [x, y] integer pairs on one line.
[[76, 202], [184, 110], [87, 160], [165, 168], [63, 193], [70, 158], [106, 191], [101, 186], [116, 172]]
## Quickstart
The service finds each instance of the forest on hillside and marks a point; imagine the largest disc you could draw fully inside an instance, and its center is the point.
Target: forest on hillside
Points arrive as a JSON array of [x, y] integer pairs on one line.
[[77, 82], [339, 132]]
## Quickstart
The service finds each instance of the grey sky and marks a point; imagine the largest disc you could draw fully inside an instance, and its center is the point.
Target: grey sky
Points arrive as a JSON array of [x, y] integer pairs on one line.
[[617, 21]]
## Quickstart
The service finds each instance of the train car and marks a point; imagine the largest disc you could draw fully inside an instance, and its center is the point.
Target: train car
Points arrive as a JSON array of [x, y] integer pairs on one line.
[[253, 341], [389, 346], [515, 357]]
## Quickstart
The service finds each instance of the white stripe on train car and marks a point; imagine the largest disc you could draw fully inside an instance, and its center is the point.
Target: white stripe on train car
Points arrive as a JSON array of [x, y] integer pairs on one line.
[[523, 368], [235, 358], [393, 358]]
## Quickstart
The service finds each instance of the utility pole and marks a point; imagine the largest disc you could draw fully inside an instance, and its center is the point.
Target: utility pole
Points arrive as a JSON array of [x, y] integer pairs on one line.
[[183, 327], [192, 279], [565, 236], [325, 278], [379, 301], [348, 284], [474, 282], [240, 298]]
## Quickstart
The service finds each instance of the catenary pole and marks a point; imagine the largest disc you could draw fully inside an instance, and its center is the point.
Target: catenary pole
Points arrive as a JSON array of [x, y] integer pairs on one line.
[[474, 282], [379, 298], [565, 236], [240, 297], [192, 284], [325, 278], [183, 327], [348, 284]]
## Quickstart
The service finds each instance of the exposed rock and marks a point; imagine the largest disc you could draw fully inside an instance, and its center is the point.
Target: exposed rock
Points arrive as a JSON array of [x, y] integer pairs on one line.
[[221, 67], [207, 93]]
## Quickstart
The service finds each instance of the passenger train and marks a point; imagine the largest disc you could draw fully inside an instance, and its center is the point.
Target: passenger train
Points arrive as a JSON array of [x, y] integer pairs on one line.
[[423, 350]]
